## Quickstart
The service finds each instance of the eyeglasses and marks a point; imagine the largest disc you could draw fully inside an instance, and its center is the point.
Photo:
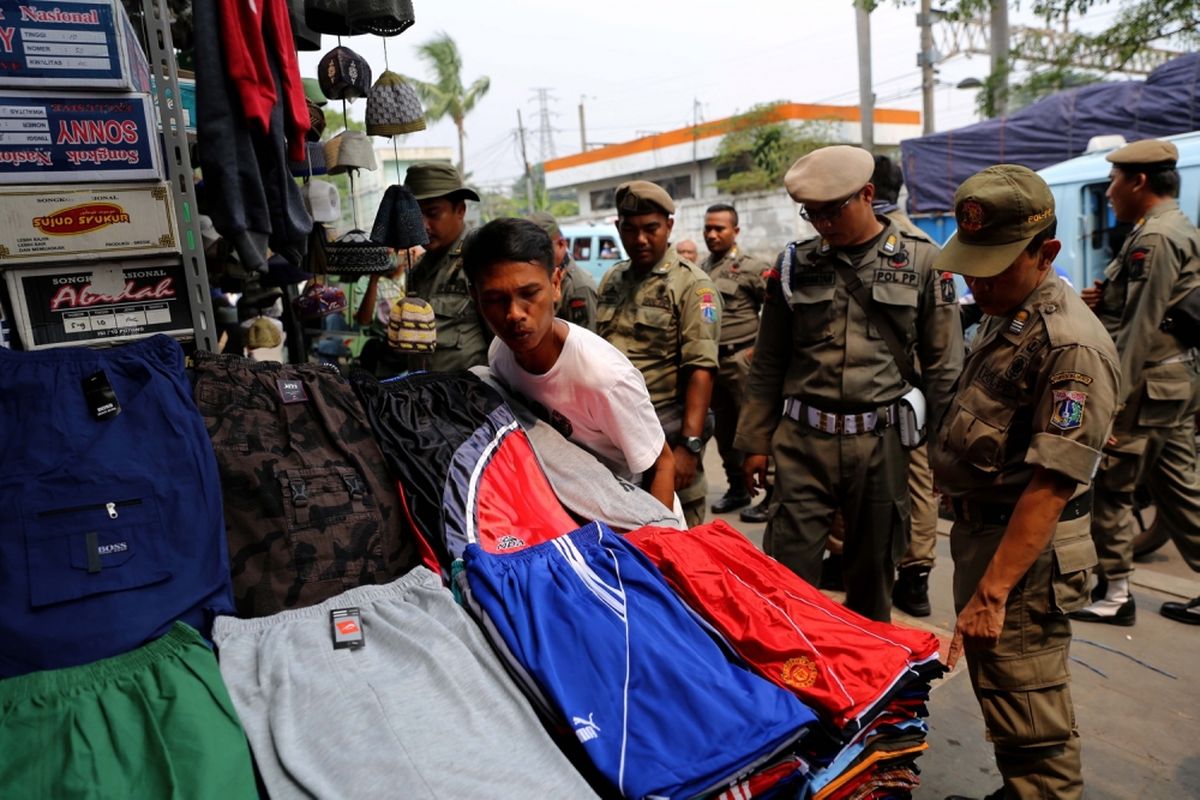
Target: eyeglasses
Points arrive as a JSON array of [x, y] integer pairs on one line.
[[826, 214]]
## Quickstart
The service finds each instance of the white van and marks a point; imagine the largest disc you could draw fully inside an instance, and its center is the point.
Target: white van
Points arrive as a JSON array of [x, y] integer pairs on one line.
[[594, 246]]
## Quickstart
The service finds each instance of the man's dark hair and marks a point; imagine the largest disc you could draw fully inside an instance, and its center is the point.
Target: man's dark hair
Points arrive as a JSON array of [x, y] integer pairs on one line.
[[887, 179], [1163, 182], [507, 239], [719, 207], [1043, 236]]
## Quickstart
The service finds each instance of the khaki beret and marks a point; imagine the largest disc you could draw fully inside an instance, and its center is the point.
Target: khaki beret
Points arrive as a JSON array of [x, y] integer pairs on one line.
[[643, 197], [546, 221], [831, 173], [1147, 151]]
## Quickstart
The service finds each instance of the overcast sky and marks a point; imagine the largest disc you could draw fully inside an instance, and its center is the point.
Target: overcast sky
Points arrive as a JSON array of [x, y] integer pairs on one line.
[[640, 65]]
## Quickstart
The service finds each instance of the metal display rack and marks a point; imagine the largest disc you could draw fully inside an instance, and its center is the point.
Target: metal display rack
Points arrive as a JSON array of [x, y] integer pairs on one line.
[[160, 52]]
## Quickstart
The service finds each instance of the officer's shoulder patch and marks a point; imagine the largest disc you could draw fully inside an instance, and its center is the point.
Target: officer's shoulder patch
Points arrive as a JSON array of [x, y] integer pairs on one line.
[[1067, 413], [1138, 259], [947, 293], [1071, 376]]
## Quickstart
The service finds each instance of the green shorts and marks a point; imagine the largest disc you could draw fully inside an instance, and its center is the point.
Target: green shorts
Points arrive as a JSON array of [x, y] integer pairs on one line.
[[155, 722]]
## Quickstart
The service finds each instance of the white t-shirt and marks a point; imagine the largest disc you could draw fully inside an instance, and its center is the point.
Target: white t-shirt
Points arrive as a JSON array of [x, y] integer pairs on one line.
[[592, 396]]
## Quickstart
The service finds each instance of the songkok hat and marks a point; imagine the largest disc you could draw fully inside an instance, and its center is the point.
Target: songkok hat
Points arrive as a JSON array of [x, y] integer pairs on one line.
[[643, 197], [828, 174], [304, 37], [428, 180], [322, 201], [998, 211], [546, 221], [1148, 152], [398, 224], [344, 74], [393, 107], [381, 17], [319, 300], [327, 16], [349, 150], [316, 121], [354, 254], [412, 327]]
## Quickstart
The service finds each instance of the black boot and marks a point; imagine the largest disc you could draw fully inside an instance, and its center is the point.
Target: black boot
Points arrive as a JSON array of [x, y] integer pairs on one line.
[[757, 513], [732, 501], [831, 573], [911, 592]]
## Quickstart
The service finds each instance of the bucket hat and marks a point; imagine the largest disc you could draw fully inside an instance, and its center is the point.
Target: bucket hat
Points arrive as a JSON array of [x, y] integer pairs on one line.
[[393, 107], [349, 150], [398, 223], [344, 74], [381, 17], [427, 180]]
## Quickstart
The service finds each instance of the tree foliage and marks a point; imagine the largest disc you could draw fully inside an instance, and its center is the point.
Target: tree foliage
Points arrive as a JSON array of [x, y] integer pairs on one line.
[[759, 150], [445, 95]]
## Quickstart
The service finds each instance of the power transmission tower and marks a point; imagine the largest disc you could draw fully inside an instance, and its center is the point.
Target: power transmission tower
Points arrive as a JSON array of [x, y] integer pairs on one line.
[[545, 129]]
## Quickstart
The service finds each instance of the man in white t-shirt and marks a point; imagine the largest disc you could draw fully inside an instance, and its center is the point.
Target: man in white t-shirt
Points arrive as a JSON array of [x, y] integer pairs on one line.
[[569, 376]]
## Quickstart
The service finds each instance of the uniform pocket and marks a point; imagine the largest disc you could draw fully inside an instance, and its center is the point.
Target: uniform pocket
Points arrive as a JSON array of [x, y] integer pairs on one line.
[[656, 318], [976, 427], [898, 301], [448, 308], [1074, 556], [94, 541], [1165, 402], [334, 528], [728, 288], [813, 318]]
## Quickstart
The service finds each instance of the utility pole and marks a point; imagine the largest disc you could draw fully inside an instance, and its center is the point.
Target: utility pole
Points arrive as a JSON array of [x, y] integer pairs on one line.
[[582, 127], [926, 60], [525, 160], [999, 41], [866, 96]]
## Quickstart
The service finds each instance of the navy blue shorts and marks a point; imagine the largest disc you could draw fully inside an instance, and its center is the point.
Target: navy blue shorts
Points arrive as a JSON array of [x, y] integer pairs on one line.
[[111, 529], [603, 645]]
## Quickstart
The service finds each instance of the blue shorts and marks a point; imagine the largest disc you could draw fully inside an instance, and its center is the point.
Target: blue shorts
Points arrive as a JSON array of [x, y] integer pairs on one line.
[[660, 705], [111, 529]]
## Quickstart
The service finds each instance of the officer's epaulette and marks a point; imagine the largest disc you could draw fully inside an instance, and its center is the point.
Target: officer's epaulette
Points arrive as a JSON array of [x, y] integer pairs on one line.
[[917, 236]]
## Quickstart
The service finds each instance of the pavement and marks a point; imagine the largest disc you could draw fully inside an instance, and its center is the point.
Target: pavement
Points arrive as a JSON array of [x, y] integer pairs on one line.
[[1136, 690]]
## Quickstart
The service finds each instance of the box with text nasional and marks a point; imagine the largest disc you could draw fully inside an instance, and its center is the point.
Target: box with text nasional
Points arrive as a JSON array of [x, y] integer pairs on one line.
[[71, 137], [40, 224], [103, 302], [75, 44]]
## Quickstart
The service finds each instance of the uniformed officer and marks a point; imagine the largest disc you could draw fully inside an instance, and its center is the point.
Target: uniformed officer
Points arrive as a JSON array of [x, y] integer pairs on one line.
[[577, 290], [1016, 452], [1157, 266], [462, 338], [739, 278], [911, 593], [824, 390], [664, 314]]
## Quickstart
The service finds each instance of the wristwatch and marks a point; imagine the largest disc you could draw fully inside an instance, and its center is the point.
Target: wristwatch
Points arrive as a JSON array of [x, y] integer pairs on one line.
[[693, 444]]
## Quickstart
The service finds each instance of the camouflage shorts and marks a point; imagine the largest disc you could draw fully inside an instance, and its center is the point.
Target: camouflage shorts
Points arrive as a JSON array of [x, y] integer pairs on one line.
[[310, 510]]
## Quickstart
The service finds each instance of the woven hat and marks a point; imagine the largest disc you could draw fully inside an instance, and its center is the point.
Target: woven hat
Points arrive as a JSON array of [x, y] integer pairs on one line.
[[322, 200], [355, 254], [381, 17], [399, 224], [393, 107], [327, 16], [344, 74], [349, 150], [318, 300], [412, 327], [316, 122], [264, 333], [314, 164], [304, 37]]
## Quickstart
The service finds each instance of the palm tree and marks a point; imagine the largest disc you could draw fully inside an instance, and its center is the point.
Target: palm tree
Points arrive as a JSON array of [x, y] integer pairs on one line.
[[446, 96]]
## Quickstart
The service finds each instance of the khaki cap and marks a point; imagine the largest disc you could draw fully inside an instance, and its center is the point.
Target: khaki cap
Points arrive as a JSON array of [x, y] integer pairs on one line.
[[1147, 151], [263, 332], [546, 221], [831, 173], [998, 211], [428, 180], [643, 197]]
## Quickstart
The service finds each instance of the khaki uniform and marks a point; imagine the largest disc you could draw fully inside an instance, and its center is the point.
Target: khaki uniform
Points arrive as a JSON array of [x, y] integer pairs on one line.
[[665, 323], [462, 338], [1158, 264], [739, 279], [578, 303], [1038, 390], [816, 346]]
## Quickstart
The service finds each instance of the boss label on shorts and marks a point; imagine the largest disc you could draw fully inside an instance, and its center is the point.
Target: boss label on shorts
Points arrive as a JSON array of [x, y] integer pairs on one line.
[[291, 391], [346, 624], [101, 399]]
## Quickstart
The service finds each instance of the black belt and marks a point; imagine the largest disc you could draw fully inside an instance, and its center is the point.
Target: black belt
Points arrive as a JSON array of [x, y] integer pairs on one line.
[[998, 515]]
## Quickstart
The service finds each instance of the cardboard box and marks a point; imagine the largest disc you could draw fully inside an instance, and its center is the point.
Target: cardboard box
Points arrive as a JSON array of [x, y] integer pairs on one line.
[[102, 302], [70, 137], [79, 44], [39, 224]]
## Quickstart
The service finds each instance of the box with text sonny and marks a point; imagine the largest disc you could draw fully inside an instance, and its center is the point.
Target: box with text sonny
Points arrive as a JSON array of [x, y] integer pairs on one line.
[[44, 224]]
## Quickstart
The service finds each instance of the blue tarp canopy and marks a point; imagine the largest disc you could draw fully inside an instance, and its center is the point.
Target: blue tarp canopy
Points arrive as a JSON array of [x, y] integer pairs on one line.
[[1051, 130]]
